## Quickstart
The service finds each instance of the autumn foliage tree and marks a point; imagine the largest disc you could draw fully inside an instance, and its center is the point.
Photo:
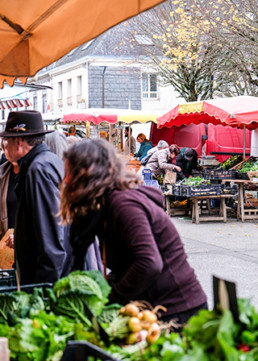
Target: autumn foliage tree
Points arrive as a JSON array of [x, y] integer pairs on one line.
[[202, 47]]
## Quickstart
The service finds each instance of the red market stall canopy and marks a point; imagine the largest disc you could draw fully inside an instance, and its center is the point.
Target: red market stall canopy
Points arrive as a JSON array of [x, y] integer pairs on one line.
[[36, 33], [241, 112], [111, 116]]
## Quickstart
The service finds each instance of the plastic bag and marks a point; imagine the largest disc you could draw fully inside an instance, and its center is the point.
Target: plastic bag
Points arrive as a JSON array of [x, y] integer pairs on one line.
[[170, 177]]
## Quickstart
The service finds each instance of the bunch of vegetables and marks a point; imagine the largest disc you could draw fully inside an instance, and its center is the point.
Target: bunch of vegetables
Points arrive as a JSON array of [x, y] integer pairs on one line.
[[231, 162], [134, 323], [195, 181]]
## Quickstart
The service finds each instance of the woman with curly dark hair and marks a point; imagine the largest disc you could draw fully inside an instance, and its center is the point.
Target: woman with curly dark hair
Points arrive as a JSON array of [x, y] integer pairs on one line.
[[141, 246]]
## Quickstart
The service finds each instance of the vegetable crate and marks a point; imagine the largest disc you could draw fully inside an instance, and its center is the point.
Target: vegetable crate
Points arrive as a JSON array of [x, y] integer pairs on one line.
[[7, 278], [218, 174], [240, 175], [201, 190], [176, 189], [229, 189], [81, 350]]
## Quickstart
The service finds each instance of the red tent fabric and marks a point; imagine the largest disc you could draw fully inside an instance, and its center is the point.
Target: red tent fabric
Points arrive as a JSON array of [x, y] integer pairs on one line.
[[236, 112], [93, 118]]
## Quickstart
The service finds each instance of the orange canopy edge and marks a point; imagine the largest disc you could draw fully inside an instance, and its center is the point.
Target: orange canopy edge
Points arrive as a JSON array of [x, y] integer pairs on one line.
[[40, 32]]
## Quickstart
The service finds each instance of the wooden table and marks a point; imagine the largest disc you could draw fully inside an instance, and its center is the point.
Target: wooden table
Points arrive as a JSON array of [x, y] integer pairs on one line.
[[197, 209], [177, 211], [243, 213]]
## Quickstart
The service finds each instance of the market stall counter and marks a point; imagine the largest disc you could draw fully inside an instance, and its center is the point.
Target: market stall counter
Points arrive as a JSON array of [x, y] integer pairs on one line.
[[197, 208]]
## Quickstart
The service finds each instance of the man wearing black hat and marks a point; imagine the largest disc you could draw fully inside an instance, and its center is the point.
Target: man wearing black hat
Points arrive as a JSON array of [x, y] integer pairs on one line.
[[187, 161], [41, 244]]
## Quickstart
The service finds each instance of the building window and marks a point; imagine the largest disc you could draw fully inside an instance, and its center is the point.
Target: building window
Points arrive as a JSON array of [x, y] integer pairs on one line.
[[69, 87], [60, 90], [3, 115], [35, 103], [44, 103], [149, 86], [79, 85]]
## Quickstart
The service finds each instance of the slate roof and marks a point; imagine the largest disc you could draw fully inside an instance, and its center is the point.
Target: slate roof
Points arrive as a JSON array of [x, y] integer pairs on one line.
[[118, 41]]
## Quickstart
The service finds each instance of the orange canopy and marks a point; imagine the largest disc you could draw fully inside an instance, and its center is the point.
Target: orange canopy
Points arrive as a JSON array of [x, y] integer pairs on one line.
[[238, 112], [35, 33]]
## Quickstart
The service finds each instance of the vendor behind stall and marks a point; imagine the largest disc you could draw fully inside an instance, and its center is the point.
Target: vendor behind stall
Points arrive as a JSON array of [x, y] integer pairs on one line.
[[187, 161], [144, 147]]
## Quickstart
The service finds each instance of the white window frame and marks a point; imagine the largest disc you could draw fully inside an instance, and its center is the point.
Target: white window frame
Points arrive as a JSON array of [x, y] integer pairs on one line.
[[148, 93]]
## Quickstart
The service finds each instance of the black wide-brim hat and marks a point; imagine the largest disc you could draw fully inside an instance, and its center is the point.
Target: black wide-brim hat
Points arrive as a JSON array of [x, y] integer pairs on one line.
[[24, 123]]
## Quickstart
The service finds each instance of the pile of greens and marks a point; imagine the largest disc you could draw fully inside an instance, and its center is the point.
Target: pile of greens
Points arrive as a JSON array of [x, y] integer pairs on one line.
[[249, 166], [38, 326], [231, 162], [195, 181]]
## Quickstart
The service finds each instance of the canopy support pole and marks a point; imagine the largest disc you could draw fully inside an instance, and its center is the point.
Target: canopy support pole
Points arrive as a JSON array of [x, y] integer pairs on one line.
[[244, 143], [129, 138]]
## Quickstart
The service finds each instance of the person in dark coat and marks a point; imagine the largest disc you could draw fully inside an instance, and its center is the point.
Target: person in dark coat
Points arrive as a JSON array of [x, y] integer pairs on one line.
[[187, 161], [141, 246], [42, 249]]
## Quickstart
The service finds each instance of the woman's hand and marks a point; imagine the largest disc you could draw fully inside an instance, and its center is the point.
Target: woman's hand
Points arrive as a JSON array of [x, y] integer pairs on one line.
[[10, 241], [178, 169]]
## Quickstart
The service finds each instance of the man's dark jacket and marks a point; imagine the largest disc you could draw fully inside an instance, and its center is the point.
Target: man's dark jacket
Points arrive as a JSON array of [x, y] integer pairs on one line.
[[42, 249]]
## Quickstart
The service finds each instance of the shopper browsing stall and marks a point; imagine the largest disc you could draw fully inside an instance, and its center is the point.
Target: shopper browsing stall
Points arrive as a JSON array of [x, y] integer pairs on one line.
[[187, 161], [141, 246], [160, 161]]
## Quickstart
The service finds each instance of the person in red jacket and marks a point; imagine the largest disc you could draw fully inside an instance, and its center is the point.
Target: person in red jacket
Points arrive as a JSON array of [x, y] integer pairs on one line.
[[142, 247]]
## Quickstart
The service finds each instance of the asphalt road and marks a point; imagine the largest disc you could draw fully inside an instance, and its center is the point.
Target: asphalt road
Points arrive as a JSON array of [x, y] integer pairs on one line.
[[227, 250]]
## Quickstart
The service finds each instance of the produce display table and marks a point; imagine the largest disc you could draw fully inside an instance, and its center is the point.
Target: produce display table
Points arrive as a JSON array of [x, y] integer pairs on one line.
[[197, 208], [180, 211], [242, 212]]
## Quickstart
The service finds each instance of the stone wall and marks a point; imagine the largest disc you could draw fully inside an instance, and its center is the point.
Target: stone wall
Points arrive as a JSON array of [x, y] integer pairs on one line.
[[122, 86]]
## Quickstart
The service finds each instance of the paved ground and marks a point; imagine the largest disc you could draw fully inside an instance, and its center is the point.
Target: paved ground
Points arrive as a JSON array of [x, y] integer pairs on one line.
[[228, 250]]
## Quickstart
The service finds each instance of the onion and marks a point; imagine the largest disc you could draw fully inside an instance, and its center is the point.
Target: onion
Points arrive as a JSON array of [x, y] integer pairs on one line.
[[133, 338], [134, 324], [153, 333], [131, 310], [149, 316]]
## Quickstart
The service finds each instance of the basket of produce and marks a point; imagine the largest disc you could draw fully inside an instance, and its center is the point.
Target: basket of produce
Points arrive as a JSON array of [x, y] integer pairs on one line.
[[246, 166], [218, 174], [198, 186]]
